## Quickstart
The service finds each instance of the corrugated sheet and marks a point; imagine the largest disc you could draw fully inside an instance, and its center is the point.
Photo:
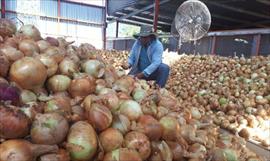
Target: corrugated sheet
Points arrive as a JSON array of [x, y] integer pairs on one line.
[[11, 5], [113, 7], [81, 12], [265, 45], [48, 8]]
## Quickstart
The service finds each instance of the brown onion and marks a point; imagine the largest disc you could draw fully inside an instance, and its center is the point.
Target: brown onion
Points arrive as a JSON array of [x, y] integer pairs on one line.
[[131, 109], [81, 87], [122, 123], [81, 141], [4, 64], [22, 150], [28, 72], [30, 31], [94, 67], [52, 41], [14, 123], [12, 41], [139, 142], [58, 83], [61, 155], [111, 139], [59, 104], [161, 152], [150, 127], [7, 27], [177, 150], [43, 45], [12, 53], [122, 154], [124, 84], [29, 47], [28, 96], [68, 67], [170, 128], [55, 53], [49, 129], [99, 116], [110, 100], [49, 63]]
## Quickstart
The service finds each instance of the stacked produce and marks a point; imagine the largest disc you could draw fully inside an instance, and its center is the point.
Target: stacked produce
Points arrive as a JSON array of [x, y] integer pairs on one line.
[[235, 92], [59, 102]]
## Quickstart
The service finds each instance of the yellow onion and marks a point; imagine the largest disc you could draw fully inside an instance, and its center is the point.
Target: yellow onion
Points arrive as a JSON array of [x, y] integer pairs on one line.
[[55, 53], [111, 139], [94, 67], [59, 104], [122, 154], [28, 96], [49, 63], [28, 73], [4, 64], [81, 87], [170, 128], [131, 109], [58, 83], [7, 27], [43, 45], [28, 47], [11, 53], [121, 123], [29, 31], [68, 67]]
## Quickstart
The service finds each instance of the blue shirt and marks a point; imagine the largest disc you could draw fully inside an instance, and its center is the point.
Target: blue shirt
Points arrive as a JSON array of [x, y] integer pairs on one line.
[[144, 61]]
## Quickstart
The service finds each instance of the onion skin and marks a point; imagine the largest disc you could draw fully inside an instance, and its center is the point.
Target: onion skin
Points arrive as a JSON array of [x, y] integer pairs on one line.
[[7, 27], [27, 96], [4, 64], [12, 41], [52, 41], [30, 31], [121, 123], [68, 67], [99, 116], [49, 129], [111, 139], [43, 45], [93, 67], [13, 123], [28, 73], [81, 141], [9, 94], [22, 150], [138, 141], [55, 53], [11, 53], [29, 47], [59, 104], [161, 152], [58, 83], [81, 87], [171, 128], [150, 127], [61, 155], [122, 154], [177, 150]]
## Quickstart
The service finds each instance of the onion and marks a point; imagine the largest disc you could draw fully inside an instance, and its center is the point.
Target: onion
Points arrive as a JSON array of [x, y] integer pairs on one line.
[[12, 41], [63, 43], [124, 84], [49, 129], [168, 102], [58, 83], [81, 141], [139, 94], [110, 100], [224, 154], [99, 116], [55, 53], [43, 45], [3, 81], [59, 104], [122, 154], [111, 139], [121, 123], [85, 51], [68, 67], [52, 41], [78, 113], [49, 63], [29, 47], [110, 75], [61, 155], [4, 64], [22, 150], [161, 152], [28, 96], [171, 128], [28, 72], [81, 87], [195, 113], [139, 142], [177, 150], [30, 112], [12, 53], [29, 31], [197, 151], [7, 27], [150, 127], [131, 109], [94, 67], [9, 93], [14, 123]]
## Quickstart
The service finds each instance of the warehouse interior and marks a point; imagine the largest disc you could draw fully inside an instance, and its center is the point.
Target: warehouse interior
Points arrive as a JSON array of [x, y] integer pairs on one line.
[[135, 80]]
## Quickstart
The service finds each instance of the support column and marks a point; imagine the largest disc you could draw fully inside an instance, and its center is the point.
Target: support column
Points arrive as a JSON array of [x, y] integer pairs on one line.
[[213, 47], [256, 45], [156, 15], [117, 29], [104, 25], [3, 8], [58, 15]]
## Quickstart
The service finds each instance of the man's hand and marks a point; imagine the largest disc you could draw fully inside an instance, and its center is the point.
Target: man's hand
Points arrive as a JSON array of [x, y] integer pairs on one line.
[[139, 75], [125, 66]]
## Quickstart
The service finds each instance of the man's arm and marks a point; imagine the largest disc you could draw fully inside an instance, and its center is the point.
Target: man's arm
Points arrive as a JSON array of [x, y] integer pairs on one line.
[[156, 60]]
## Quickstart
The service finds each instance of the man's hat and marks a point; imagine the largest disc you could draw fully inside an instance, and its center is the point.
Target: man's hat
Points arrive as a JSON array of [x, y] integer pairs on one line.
[[145, 31]]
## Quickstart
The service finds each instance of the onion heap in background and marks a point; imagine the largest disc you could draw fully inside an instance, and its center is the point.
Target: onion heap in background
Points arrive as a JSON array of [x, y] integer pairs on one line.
[[61, 102]]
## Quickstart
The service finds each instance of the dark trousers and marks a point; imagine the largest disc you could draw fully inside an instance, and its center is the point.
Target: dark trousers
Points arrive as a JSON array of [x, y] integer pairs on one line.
[[160, 75]]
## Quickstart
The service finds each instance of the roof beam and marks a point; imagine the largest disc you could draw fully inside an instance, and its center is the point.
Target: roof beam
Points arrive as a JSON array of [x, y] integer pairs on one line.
[[267, 2], [238, 9], [137, 11]]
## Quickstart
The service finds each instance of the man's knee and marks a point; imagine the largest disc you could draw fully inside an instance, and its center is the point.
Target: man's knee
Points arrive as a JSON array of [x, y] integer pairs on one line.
[[164, 68]]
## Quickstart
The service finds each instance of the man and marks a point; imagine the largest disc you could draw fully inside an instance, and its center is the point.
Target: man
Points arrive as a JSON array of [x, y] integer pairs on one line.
[[145, 59]]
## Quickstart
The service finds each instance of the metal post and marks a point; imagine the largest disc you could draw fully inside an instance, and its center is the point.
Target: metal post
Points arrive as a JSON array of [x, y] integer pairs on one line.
[[3, 10], [256, 45], [117, 28], [156, 15], [213, 47], [58, 15], [104, 25]]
